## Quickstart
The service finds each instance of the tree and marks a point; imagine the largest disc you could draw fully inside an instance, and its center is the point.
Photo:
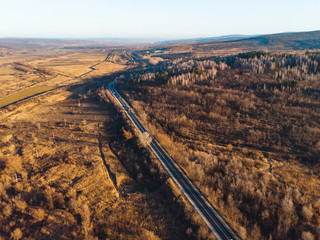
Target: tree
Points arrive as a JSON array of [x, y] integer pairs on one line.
[[16, 234], [307, 212], [307, 236]]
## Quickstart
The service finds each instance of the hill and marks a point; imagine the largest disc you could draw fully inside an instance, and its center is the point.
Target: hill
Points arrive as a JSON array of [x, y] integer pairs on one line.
[[224, 37], [234, 44], [287, 41], [280, 41]]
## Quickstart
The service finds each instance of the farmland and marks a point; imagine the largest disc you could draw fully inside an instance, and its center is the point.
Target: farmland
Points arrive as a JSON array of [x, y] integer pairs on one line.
[[24, 94]]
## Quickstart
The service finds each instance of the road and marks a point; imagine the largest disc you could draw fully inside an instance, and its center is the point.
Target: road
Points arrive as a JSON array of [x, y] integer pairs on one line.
[[215, 222]]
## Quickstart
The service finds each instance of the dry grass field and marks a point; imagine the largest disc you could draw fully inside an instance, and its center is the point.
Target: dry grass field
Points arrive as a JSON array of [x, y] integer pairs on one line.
[[71, 65], [46, 69], [69, 170], [17, 76]]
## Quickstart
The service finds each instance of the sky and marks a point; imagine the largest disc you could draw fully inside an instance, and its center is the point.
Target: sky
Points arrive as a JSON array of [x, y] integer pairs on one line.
[[166, 19]]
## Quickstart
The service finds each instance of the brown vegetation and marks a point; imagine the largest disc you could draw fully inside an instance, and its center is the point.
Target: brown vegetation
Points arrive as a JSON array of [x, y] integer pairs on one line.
[[246, 130], [68, 169]]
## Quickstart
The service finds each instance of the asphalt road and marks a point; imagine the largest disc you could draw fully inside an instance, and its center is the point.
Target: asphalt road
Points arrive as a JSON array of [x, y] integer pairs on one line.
[[212, 218]]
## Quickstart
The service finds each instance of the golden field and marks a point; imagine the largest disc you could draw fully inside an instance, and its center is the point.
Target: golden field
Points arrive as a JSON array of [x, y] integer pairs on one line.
[[60, 68]]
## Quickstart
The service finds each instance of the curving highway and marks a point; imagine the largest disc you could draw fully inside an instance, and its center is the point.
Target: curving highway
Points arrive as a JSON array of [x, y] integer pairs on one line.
[[215, 222]]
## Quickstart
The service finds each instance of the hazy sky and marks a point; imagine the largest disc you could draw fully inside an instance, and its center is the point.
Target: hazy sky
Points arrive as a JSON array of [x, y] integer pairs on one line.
[[155, 19]]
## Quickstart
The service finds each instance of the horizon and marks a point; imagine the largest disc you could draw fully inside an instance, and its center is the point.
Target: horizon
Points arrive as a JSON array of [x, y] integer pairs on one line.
[[151, 38], [168, 20]]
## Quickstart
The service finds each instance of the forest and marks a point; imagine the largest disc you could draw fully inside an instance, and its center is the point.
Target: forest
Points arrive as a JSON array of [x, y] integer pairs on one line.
[[246, 129]]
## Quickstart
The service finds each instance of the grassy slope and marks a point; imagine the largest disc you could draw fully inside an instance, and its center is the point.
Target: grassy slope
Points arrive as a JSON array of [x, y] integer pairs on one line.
[[23, 94]]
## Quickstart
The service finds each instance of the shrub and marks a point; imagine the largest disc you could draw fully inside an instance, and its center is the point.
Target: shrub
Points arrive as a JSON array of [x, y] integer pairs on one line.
[[307, 212], [21, 205], [14, 164], [307, 236], [38, 214], [229, 147], [16, 234], [7, 210], [84, 211]]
